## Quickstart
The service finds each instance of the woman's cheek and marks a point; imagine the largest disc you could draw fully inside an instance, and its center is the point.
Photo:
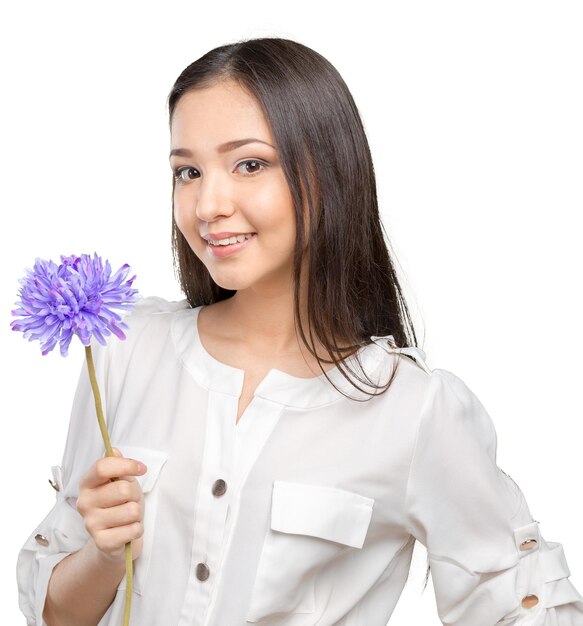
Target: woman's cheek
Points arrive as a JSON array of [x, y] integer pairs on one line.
[[179, 215]]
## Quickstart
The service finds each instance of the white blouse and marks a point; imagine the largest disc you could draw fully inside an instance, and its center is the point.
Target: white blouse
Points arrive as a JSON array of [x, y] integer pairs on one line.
[[306, 511]]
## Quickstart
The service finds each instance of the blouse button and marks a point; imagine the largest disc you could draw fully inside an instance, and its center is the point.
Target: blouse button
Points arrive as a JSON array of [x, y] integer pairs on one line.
[[529, 601], [55, 486], [528, 544], [42, 540], [219, 487], [202, 571]]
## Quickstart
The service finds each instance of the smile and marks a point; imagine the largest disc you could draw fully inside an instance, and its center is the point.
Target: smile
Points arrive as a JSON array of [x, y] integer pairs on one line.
[[231, 240], [220, 249]]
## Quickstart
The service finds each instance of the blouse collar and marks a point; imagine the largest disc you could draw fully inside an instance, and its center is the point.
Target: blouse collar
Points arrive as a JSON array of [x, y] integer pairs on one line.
[[277, 386]]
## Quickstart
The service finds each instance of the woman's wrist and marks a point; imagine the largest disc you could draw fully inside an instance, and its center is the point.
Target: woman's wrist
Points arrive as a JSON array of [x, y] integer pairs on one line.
[[102, 559]]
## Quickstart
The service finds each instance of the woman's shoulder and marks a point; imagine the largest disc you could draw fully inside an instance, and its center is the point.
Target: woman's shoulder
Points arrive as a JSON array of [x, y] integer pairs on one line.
[[447, 407], [147, 328], [417, 374], [426, 390], [152, 309], [152, 305], [147, 323]]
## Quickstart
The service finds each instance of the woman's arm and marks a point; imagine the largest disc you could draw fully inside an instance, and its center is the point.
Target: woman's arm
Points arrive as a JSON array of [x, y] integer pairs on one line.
[[82, 587], [489, 562], [61, 534]]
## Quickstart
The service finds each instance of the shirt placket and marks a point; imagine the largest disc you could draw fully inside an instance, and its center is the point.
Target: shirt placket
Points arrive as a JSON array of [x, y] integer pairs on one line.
[[250, 437], [213, 498]]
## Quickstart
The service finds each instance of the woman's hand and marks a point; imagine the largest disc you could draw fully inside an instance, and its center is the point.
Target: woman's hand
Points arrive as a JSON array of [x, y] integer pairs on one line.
[[113, 511]]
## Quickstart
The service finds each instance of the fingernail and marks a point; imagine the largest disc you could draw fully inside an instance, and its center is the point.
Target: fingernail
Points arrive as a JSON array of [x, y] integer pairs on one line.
[[142, 468]]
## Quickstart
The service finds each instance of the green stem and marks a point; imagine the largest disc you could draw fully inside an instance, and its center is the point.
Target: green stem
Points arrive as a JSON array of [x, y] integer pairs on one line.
[[109, 451]]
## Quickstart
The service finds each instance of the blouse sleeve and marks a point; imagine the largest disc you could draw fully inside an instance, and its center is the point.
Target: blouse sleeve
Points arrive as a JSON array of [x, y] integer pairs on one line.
[[489, 563], [63, 531]]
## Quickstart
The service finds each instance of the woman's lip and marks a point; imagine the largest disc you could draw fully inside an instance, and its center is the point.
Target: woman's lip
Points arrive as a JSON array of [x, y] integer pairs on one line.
[[224, 235], [232, 248]]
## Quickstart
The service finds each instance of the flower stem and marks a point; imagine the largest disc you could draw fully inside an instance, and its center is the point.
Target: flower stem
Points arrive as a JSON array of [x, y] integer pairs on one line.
[[109, 451]]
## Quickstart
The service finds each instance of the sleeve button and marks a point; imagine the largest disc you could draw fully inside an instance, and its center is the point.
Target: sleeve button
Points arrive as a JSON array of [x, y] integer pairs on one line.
[[54, 485], [42, 540], [528, 544], [529, 601]]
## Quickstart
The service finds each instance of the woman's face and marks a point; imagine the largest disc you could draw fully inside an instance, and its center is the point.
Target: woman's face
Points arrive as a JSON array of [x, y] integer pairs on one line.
[[222, 190]]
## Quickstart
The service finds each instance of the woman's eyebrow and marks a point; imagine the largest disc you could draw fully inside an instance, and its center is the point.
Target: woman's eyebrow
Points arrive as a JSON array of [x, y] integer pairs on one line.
[[225, 147]]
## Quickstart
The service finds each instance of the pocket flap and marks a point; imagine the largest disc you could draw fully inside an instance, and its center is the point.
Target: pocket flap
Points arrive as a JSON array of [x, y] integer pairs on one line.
[[153, 459], [320, 511]]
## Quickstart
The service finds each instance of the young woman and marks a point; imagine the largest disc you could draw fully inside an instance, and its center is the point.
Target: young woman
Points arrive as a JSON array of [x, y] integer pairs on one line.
[[296, 442]]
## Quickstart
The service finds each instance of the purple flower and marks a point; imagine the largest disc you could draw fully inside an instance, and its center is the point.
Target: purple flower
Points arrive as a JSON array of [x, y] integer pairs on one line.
[[73, 298]]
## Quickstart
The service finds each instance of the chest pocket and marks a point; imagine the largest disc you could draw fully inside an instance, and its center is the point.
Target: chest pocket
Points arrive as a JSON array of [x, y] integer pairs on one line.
[[154, 460], [311, 526]]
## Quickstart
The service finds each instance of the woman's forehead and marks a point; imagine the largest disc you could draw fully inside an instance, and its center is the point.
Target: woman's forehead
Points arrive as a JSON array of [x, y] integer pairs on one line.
[[220, 109]]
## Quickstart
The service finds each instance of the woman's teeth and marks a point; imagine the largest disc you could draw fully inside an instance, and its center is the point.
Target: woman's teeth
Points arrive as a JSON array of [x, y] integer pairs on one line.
[[230, 240]]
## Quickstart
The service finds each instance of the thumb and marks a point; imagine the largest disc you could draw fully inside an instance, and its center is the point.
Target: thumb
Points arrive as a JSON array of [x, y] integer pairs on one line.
[[116, 452]]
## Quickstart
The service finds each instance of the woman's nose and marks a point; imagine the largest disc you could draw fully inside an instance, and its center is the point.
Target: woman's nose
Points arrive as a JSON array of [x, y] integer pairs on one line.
[[213, 198]]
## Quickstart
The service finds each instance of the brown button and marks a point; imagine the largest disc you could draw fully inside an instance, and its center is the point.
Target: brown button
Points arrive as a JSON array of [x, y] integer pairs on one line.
[[202, 571], [219, 487], [528, 544], [529, 601], [55, 486], [42, 540]]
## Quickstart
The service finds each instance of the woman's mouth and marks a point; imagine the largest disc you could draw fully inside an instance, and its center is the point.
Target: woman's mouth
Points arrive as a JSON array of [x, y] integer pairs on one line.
[[226, 247]]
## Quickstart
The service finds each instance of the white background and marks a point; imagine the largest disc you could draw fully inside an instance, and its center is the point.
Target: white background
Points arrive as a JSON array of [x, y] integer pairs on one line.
[[473, 113]]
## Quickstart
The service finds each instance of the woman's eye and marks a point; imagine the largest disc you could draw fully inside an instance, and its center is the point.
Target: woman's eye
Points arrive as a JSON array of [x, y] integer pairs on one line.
[[252, 166], [183, 174]]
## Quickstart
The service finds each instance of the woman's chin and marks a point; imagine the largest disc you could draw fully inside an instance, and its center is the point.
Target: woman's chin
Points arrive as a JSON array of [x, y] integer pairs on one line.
[[232, 283]]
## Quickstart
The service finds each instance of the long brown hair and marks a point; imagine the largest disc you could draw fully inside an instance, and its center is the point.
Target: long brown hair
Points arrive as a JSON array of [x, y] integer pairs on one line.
[[353, 290]]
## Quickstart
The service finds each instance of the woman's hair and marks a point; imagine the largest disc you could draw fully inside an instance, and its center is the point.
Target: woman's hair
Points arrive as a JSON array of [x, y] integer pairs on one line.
[[352, 287]]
